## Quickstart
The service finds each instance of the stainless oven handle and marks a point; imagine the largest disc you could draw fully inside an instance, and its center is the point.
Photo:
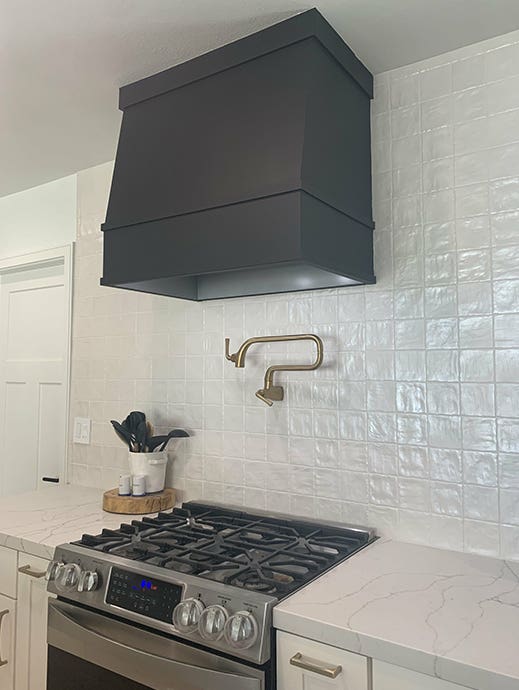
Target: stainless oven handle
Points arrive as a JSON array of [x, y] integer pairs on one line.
[[156, 661]]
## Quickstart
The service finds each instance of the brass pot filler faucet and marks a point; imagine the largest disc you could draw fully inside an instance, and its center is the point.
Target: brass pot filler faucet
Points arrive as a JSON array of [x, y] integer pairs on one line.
[[270, 392]]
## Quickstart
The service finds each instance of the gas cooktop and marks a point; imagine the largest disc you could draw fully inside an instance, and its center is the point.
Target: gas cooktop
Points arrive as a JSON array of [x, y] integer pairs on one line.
[[204, 573], [256, 552]]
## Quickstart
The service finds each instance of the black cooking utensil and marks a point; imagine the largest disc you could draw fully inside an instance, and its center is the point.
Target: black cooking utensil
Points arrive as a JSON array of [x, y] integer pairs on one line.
[[174, 433], [133, 420], [141, 436], [155, 441], [122, 432], [132, 424]]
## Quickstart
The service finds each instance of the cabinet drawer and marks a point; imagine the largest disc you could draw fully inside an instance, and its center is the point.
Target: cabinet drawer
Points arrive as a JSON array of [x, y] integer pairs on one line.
[[8, 565], [390, 677], [307, 665]]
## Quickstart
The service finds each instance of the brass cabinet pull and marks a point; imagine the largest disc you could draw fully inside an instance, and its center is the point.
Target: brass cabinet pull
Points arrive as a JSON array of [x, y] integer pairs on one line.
[[315, 666], [3, 662], [27, 570]]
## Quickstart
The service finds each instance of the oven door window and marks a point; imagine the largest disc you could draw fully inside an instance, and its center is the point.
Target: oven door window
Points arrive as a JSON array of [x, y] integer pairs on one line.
[[91, 651], [68, 672]]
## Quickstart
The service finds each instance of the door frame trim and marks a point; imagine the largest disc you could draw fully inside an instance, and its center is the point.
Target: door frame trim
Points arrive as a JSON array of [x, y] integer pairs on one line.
[[65, 254]]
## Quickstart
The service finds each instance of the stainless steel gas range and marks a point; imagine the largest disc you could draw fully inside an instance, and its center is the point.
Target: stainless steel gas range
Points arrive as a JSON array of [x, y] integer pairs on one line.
[[183, 601]]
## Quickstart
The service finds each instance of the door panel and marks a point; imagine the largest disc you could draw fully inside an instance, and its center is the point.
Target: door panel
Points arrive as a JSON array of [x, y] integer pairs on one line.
[[51, 416], [36, 314], [15, 471], [34, 346]]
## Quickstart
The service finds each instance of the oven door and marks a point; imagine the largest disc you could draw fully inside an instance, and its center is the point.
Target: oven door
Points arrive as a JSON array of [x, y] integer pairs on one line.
[[89, 651]]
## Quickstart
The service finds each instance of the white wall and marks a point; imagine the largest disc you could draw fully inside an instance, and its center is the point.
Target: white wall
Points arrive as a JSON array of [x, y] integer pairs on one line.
[[412, 426], [39, 218]]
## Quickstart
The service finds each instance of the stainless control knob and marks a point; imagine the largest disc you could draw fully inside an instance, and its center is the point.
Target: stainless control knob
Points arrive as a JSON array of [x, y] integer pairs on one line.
[[52, 570], [67, 577], [88, 581], [212, 622], [186, 615], [241, 630]]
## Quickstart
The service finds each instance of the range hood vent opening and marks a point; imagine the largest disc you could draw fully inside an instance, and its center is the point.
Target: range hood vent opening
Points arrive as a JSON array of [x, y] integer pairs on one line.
[[245, 171]]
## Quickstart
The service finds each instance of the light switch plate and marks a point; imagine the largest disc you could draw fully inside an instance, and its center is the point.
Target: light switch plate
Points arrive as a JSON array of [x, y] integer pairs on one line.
[[81, 430]]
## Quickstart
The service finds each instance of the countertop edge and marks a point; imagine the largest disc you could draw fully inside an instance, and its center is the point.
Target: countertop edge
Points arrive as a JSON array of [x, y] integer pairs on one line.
[[26, 546]]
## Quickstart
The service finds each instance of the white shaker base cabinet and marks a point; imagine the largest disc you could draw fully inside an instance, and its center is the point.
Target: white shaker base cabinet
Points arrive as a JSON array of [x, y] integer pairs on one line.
[[7, 628], [389, 677], [23, 621], [307, 665], [31, 624]]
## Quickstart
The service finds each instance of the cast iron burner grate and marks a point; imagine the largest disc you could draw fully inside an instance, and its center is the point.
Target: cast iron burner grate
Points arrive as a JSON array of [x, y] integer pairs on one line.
[[272, 555]]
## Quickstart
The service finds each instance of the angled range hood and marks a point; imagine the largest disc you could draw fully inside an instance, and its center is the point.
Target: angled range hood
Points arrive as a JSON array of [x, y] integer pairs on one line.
[[245, 171]]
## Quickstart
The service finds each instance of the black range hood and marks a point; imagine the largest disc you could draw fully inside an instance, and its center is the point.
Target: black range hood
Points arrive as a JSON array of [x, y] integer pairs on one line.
[[245, 171]]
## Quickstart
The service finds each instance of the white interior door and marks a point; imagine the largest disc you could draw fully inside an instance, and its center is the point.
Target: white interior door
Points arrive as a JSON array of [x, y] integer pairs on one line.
[[34, 372]]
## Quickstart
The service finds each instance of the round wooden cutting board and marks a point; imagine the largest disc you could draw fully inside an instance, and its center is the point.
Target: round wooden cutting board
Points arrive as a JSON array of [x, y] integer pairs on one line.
[[138, 505]]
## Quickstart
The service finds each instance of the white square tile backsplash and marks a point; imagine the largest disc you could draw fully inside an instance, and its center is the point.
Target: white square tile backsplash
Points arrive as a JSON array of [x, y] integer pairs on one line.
[[412, 424]]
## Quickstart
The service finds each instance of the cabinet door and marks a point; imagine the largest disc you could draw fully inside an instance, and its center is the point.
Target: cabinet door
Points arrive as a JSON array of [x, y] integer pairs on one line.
[[307, 665], [389, 677], [31, 628], [7, 628]]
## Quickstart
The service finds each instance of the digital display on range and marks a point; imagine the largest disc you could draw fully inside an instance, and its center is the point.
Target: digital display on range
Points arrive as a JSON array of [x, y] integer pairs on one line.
[[144, 595]]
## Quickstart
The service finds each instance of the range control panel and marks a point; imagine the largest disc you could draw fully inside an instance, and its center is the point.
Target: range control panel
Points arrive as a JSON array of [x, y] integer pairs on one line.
[[148, 596]]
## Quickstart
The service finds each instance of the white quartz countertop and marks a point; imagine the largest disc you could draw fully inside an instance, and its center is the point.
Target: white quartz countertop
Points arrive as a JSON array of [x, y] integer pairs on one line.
[[37, 522], [443, 613]]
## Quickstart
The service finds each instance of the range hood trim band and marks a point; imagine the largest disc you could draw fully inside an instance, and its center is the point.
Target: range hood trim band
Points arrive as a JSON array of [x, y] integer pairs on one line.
[[301, 27], [291, 211], [368, 223], [361, 279], [209, 294]]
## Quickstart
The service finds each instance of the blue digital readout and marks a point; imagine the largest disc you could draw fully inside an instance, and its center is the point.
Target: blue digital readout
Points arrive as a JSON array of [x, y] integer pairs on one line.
[[146, 596], [145, 585]]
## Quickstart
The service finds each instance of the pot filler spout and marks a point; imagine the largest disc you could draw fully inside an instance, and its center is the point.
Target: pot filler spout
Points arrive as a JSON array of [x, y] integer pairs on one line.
[[246, 170]]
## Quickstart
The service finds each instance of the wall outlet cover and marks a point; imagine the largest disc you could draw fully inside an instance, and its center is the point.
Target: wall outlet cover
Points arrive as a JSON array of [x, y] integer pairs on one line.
[[82, 430]]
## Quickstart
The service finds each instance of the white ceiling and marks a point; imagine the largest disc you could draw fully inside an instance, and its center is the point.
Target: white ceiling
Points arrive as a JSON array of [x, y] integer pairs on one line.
[[62, 61]]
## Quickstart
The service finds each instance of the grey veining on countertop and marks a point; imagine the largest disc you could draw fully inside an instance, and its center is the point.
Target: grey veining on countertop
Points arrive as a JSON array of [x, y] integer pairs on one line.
[[37, 522], [447, 614]]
